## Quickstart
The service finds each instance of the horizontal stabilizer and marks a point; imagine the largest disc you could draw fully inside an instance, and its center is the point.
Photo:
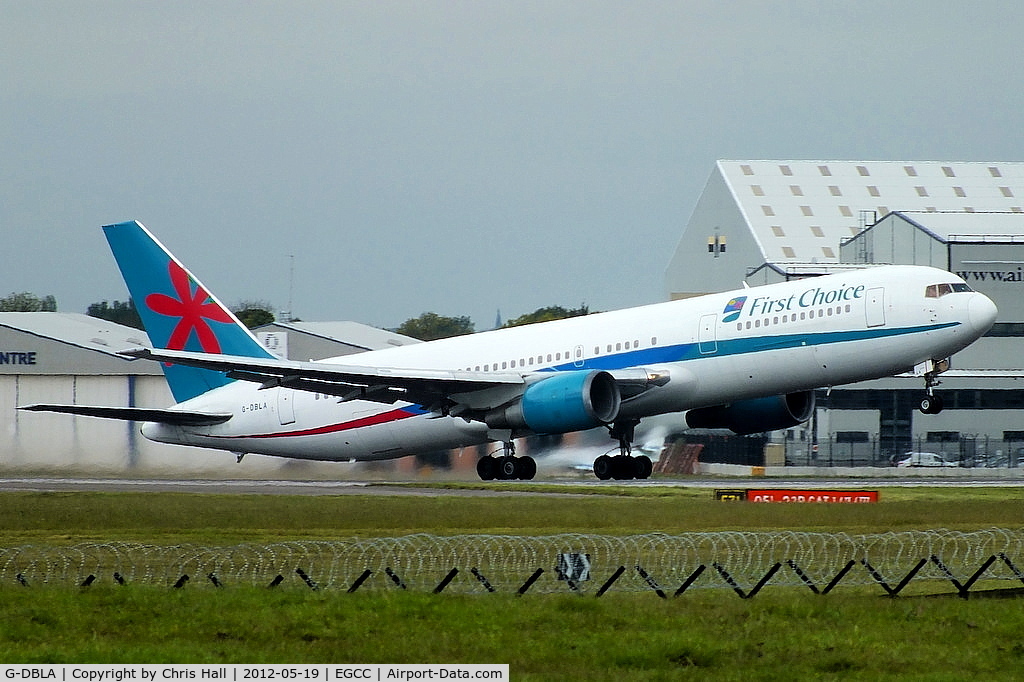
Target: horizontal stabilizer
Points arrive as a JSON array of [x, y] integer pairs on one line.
[[138, 414]]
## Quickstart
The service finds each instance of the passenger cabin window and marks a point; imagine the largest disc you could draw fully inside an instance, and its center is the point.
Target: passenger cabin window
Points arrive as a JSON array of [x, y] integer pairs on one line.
[[940, 290]]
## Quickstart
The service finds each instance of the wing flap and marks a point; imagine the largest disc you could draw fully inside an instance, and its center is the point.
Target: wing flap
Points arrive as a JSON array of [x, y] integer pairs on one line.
[[138, 414]]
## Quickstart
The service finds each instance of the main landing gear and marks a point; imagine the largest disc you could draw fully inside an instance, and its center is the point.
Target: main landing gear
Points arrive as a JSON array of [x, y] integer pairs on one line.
[[623, 466], [507, 467], [931, 403]]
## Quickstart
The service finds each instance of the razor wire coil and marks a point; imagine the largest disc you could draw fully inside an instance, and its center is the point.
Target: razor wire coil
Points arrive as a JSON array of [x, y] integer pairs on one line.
[[505, 562]]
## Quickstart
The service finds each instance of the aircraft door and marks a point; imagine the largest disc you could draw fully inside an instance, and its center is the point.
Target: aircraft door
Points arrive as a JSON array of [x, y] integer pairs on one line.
[[286, 405], [707, 334], [875, 307], [577, 356]]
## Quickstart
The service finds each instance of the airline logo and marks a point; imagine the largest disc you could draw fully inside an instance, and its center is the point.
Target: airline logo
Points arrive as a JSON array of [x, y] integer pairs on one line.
[[733, 309], [809, 298], [192, 308]]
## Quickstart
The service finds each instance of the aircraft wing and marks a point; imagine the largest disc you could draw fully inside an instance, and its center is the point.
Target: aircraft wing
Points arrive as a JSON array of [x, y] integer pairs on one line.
[[442, 391], [445, 392], [138, 414]]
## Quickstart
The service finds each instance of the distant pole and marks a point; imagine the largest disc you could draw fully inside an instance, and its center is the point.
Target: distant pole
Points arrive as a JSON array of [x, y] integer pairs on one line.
[[291, 285]]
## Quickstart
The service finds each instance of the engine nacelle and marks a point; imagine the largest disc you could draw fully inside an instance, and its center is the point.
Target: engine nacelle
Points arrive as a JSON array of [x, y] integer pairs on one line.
[[755, 415], [564, 402]]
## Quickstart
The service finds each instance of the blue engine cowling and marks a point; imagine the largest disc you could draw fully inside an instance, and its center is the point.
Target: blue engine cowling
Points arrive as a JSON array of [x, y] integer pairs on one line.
[[564, 402], [755, 415]]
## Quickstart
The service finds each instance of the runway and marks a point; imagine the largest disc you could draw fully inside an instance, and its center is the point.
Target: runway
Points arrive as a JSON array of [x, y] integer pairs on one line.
[[421, 488]]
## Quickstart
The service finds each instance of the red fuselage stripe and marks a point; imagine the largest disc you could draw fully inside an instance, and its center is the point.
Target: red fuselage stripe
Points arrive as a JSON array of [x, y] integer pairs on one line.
[[372, 420]]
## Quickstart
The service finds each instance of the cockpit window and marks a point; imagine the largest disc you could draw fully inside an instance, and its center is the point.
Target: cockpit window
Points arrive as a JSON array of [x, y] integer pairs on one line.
[[940, 290]]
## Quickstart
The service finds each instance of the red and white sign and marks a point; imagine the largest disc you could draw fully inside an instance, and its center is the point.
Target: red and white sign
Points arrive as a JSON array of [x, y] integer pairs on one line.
[[829, 496]]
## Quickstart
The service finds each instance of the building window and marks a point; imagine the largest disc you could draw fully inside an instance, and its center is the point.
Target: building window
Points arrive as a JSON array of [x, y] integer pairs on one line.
[[948, 170], [959, 191], [1007, 192], [817, 231], [846, 211], [788, 252], [796, 191], [829, 253], [756, 189], [806, 210], [911, 171], [786, 170], [835, 191], [824, 171], [777, 231], [921, 191], [863, 170], [747, 170], [873, 191], [994, 172], [768, 211]]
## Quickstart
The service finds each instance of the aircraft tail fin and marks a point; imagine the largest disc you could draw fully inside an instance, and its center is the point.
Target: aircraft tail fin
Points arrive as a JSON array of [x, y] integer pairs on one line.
[[177, 311]]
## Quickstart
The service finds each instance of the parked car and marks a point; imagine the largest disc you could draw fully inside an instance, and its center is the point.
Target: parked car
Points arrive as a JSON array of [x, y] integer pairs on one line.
[[924, 459]]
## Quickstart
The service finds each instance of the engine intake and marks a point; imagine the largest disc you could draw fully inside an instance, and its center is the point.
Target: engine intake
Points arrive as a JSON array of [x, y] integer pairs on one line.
[[567, 401], [756, 415]]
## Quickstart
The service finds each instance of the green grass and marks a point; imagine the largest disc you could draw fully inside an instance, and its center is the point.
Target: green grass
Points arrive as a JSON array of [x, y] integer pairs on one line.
[[168, 518], [704, 635], [783, 633]]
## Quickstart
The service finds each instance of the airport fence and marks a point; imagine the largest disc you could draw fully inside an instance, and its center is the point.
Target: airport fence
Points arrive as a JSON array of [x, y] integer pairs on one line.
[[744, 562]]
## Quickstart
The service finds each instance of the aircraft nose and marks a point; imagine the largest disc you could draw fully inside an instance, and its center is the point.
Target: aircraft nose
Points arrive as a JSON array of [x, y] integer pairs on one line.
[[981, 312]]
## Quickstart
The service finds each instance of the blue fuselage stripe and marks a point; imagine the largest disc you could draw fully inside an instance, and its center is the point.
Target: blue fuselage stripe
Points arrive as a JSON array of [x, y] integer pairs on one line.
[[743, 346]]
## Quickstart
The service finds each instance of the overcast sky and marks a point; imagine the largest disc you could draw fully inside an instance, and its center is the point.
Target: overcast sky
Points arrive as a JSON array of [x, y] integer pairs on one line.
[[455, 157]]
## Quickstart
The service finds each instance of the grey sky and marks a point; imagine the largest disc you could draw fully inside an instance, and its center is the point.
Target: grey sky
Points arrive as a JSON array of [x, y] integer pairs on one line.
[[449, 156]]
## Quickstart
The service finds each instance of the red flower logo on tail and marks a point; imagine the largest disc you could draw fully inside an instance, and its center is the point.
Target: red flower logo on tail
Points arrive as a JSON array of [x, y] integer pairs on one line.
[[193, 309]]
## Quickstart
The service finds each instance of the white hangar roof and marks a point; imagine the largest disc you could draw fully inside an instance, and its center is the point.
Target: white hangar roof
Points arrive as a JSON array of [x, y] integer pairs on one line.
[[68, 343], [799, 211], [968, 227], [351, 333], [76, 329]]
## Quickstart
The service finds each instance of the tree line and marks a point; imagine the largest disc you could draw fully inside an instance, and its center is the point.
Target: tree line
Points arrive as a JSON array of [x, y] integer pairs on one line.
[[428, 326]]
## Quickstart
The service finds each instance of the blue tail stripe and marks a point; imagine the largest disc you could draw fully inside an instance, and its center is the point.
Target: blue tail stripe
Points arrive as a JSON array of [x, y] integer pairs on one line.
[[177, 311]]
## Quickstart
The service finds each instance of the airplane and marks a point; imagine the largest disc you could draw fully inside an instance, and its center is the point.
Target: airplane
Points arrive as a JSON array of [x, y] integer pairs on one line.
[[748, 360]]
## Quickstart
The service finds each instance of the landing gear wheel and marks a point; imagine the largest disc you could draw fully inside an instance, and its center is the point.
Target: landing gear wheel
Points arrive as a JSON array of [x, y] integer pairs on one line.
[[642, 467], [603, 467], [527, 468], [930, 404], [622, 467], [507, 468], [487, 468]]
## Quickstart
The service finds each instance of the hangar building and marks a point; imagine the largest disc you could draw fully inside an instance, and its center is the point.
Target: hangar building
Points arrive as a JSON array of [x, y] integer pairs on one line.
[[767, 221], [72, 358]]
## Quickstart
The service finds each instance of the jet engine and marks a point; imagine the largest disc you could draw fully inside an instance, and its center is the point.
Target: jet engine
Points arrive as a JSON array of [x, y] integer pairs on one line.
[[756, 415], [564, 402]]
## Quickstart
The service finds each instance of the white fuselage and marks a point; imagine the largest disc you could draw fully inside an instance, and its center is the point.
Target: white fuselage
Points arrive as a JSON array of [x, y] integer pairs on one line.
[[715, 349]]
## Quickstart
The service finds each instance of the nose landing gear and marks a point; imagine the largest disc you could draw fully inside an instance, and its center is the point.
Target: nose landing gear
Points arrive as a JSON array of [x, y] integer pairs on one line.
[[930, 370]]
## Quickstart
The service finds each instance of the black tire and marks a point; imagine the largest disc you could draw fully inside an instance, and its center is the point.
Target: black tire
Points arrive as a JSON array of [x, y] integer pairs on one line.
[[603, 467], [527, 468], [642, 467], [508, 468], [622, 468], [486, 468], [930, 404]]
